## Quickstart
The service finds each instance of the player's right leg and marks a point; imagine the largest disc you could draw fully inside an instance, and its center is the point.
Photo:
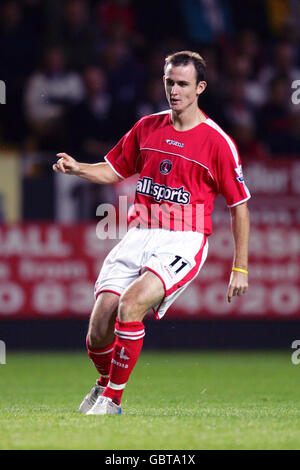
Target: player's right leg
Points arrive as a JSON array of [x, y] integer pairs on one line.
[[102, 320], [143, 294], [100, 342]]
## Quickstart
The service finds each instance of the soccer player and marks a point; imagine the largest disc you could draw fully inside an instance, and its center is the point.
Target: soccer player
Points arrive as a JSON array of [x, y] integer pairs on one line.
[[183, 159]]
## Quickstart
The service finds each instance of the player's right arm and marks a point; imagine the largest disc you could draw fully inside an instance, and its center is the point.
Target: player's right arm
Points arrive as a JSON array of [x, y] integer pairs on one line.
[[120, 161], [101, 173]]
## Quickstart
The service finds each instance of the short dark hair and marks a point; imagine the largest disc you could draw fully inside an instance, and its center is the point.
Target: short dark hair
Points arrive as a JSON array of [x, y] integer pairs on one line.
[[185, 58]]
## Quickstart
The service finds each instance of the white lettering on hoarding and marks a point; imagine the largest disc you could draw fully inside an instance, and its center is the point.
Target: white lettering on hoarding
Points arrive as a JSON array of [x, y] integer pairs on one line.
[[65, 270], [12, 298], [17, 241], [81, 297], [267, 180], [49, 298]]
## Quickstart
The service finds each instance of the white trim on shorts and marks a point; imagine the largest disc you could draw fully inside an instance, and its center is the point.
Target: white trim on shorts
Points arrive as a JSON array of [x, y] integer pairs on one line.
[[110, 280], [180, 286]]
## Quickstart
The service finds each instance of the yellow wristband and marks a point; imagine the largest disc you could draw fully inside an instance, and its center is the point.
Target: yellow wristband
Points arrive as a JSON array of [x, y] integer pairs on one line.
[[240, 270]]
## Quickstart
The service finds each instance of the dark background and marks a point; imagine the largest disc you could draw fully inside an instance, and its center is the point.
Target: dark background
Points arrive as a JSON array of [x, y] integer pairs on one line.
[[79, 74]]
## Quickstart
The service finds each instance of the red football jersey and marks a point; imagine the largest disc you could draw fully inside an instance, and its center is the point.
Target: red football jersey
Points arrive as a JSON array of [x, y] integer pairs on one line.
[[179, 170]]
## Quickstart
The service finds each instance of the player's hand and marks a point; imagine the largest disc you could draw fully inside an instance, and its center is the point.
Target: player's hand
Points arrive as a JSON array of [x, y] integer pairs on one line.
[[66, 164], [238, 285]]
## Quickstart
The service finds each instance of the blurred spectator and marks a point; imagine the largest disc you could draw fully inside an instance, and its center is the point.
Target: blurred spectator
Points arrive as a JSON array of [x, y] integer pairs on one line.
[[250, 45], [287, 143], [92, 133], [90, 122], [250, 148], [125, 78], [292, 146], [77, 34], [207, 21], [19, 45], [34, 15], [159, 20], [240, 68], [249, 15], [47, 94], [236, 108], [283, 64], [19, 50], [155, 99], [155, 62], [273, 117], [117, 17], [280, 14], [211, 100]]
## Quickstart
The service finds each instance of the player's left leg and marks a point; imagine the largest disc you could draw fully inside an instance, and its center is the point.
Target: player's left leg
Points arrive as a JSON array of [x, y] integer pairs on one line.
[[143, 294]]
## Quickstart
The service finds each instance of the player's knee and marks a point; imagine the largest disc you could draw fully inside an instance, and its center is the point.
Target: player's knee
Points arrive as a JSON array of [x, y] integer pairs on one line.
[[96, 338], [130, 308], [100, 332]]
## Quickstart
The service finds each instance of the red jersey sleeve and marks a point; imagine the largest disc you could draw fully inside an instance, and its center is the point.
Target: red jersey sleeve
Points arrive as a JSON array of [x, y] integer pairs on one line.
[[229, 174], [123, 157]]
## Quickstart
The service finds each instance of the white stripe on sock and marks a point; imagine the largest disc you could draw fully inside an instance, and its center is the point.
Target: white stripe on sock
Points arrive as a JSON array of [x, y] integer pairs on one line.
[[101, 354], [129, 337], [129, 333], [116, 386]]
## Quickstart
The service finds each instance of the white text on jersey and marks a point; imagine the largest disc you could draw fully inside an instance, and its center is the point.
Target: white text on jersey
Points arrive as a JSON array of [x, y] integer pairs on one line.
[[161, 192], [174, 142]]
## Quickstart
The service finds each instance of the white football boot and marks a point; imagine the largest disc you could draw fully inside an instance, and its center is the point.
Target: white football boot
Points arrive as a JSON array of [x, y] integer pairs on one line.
[[105, 406], [91, 398]]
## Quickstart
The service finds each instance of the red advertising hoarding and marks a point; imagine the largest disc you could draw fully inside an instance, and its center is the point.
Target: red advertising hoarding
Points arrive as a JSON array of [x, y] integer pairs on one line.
[[49, 270]]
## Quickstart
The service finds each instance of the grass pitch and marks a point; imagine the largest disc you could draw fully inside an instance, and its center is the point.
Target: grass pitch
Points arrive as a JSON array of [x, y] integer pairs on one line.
[[174, 400]]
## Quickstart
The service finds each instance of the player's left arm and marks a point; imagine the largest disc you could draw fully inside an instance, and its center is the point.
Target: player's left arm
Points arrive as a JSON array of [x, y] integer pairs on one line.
[[240, 226]]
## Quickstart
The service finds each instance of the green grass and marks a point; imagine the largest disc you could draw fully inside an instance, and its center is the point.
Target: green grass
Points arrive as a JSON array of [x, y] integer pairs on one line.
[[174, 400]]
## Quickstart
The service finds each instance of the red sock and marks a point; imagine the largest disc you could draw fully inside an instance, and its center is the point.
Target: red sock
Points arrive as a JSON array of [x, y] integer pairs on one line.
[[101, 358], [127, 348]]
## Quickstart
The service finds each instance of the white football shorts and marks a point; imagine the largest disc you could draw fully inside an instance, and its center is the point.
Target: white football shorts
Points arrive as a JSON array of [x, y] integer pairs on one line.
[[175, 257]]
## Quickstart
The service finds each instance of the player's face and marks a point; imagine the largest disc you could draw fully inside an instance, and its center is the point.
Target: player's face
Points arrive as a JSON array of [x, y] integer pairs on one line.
[[181, 88]]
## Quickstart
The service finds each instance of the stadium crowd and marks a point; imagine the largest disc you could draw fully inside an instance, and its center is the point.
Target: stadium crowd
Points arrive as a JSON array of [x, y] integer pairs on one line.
[[80, 73]]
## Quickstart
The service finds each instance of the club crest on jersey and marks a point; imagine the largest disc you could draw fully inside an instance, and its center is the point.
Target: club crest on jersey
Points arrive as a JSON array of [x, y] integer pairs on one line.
[[165, 167], [174, 142], [239, 172]]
